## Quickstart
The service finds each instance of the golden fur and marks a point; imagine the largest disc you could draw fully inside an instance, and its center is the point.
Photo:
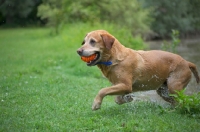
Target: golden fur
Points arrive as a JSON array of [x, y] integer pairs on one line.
[[133, 70]]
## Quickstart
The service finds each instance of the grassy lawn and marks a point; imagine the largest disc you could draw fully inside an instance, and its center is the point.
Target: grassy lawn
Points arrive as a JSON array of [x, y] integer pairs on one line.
[[44, 86]]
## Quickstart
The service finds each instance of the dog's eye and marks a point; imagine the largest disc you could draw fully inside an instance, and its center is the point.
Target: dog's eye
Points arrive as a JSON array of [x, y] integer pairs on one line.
[[92, 41], [83, 42]]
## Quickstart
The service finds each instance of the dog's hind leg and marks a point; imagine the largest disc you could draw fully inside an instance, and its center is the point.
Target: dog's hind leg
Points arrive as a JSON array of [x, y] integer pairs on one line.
[[163, 91], [121, 99], [176, 81], [179, 78]]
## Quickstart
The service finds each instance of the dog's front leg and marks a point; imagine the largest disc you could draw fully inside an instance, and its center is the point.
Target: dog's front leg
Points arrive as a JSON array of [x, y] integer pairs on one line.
[[118, 89]]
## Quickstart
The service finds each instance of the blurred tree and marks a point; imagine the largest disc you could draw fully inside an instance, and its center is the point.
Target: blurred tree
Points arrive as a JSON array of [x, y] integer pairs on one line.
[[182, 15], [52, 12], [194, 10], [128, 14], [17, 11]]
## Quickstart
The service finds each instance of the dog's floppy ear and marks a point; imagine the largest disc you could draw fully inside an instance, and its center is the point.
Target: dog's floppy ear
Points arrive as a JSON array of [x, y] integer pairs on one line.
[[108, 40]]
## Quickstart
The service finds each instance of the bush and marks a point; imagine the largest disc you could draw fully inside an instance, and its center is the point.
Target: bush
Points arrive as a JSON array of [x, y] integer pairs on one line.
[[188, 104], [122, 34]]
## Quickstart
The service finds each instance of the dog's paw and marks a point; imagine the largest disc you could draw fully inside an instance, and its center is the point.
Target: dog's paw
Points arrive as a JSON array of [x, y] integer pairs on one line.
[[128, 98], [121, 99], [96, 106]]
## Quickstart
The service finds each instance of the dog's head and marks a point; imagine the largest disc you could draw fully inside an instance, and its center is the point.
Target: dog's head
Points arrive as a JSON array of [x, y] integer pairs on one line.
[[95, 46]]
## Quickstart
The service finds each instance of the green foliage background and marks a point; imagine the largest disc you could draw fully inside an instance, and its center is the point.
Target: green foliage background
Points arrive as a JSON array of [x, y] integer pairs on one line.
[[18, 12], [181, 15], [139, 16], [129, 14]]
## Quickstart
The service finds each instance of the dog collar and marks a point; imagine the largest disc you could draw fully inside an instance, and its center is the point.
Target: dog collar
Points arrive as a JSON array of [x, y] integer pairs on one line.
[[107, 63]]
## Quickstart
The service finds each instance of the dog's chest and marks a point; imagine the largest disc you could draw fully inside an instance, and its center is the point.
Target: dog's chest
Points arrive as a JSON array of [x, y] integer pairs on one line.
[[112, 76]]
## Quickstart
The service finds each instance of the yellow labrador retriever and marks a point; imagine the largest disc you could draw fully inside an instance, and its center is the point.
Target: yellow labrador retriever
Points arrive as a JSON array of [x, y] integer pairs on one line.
[[130, 70]]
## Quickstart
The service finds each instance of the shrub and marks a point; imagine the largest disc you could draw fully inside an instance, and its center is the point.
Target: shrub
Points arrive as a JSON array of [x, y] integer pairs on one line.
[[122, 34], [188, 104]]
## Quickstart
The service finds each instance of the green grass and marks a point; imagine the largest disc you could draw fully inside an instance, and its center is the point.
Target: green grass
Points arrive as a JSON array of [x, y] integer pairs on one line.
[[44, 86]]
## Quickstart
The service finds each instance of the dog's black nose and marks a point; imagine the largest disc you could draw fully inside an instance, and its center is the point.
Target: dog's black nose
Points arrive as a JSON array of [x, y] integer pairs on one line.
[[80, 51]]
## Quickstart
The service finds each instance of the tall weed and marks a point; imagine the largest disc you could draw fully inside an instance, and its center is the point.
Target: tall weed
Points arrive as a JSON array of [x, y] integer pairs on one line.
[[172, 47]]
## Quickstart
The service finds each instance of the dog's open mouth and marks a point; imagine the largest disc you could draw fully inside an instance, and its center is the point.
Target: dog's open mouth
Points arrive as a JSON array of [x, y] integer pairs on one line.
[[92, 59]]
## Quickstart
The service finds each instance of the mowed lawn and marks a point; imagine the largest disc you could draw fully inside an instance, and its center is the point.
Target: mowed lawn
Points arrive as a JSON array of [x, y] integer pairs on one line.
[[44, 86]]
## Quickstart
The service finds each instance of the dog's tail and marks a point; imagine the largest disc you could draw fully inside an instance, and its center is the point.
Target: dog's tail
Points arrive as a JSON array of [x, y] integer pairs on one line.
[[193, 68]]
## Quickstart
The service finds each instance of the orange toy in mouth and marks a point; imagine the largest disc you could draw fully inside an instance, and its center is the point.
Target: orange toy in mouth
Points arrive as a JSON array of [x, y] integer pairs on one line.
[[88, 58]]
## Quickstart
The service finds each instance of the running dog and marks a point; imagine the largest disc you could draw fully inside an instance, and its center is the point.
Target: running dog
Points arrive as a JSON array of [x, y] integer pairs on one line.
[[130, 70]]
